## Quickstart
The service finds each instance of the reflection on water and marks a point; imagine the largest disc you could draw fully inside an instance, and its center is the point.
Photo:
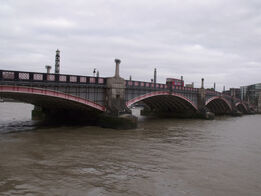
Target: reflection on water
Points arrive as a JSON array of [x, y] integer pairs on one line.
[[160, 157], [15, 117]]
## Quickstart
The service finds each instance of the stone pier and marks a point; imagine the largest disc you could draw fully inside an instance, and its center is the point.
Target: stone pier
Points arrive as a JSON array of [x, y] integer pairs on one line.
[[118, 115], [115, 94], [203, 111], [259, 103]]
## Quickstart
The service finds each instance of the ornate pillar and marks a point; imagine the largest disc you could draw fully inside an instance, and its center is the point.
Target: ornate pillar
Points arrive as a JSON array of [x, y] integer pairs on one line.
[[57, 62], [115, 94]]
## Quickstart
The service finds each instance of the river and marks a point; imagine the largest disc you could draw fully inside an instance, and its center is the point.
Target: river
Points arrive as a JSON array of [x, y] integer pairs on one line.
[[165, 157]]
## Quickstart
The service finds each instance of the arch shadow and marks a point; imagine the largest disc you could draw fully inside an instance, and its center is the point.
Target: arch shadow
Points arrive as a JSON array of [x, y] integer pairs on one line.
[[165, 102], [218, 105], [242, 107]]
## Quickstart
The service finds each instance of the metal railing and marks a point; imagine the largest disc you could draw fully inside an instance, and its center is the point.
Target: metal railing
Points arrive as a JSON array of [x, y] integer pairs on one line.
[[141, 84], [212, 92], [7, 75]]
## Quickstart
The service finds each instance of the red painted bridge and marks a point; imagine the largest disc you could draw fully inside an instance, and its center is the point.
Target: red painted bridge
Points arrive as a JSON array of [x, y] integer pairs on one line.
[[94, 94]]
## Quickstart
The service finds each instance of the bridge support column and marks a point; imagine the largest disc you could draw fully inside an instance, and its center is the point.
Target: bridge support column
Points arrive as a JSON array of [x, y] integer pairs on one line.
[[259, 104], [235, 111], [203, 111], [117, 111], [37, 113]]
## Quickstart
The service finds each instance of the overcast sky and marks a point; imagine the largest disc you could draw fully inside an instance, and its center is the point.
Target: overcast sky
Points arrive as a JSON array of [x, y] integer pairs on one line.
[[219, 40]]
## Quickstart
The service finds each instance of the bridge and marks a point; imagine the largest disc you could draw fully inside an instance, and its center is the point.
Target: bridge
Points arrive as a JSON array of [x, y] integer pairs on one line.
[[61, 95]]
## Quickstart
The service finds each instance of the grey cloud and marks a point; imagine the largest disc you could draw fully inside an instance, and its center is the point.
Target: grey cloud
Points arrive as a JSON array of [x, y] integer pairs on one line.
[[216, 39]]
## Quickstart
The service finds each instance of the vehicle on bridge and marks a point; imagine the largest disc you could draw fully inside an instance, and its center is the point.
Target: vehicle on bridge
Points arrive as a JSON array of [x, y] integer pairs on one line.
[[174, 82]]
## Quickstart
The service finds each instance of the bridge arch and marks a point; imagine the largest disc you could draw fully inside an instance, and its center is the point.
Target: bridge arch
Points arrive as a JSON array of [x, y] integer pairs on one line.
[[218, 105], [165, 102], [49, 98], [241, 107]]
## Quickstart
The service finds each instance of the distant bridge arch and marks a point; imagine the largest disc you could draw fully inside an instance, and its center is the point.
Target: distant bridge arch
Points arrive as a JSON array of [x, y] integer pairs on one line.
[[218, 105], [241, 107]]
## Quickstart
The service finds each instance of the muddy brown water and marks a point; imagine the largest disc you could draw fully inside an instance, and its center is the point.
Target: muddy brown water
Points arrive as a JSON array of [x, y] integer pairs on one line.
[[161, 157]]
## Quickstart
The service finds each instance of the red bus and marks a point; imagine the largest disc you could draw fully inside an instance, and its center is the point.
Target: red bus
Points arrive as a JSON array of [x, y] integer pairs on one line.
[[174, 82]]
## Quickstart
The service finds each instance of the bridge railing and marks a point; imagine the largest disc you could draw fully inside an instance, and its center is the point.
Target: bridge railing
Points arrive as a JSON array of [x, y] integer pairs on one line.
[[184, 88], [231, 97], [159, 86], [7, 75], [212, 92], [141, 84]]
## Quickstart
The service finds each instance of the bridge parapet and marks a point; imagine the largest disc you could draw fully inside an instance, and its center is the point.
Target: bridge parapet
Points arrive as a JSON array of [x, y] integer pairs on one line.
[[23, 76], [210, 92], [85, 87], [157, 86], [141, 84]]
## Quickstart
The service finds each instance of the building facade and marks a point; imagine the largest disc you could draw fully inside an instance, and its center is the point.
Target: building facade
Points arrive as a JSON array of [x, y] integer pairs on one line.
[[252, 94], [233, 92]]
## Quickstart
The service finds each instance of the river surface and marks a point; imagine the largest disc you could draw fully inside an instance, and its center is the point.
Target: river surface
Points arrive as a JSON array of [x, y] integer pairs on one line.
[[165, 157]]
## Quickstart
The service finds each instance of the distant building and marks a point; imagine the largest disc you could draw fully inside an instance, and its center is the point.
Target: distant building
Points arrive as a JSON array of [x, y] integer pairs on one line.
[[234, 92], [251, 93], [190, 85], [243, 90]]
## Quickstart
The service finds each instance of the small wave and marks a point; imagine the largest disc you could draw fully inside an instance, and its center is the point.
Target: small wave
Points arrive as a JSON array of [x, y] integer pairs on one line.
[[17, 126]]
